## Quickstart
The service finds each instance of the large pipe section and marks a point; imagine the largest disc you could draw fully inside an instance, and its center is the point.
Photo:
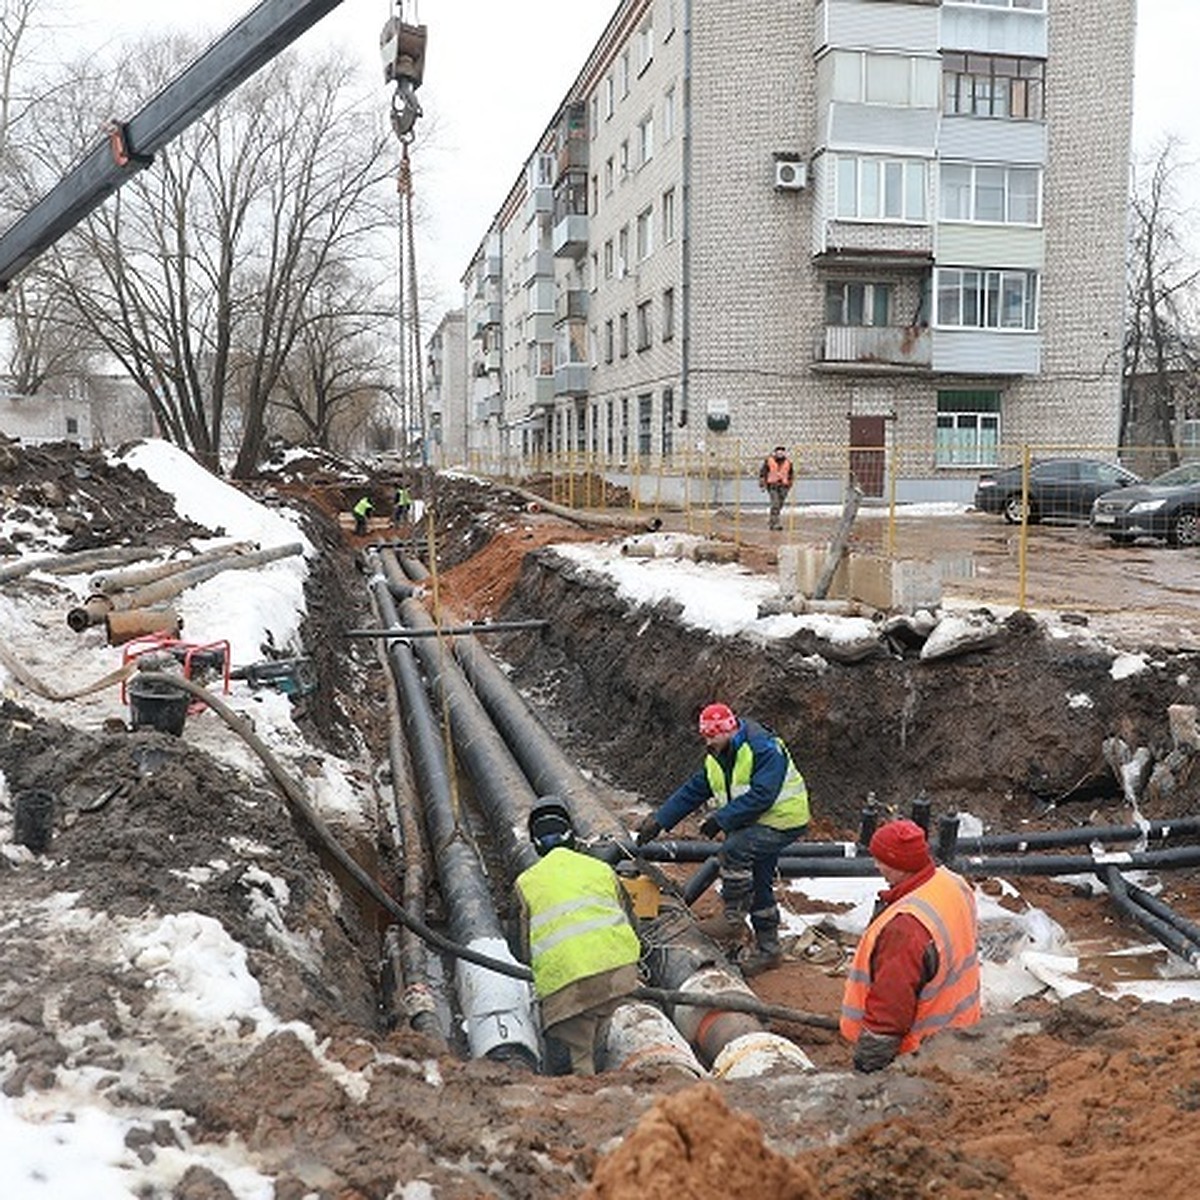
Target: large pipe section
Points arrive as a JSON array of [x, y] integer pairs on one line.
[[404, 950], [498, 1009]]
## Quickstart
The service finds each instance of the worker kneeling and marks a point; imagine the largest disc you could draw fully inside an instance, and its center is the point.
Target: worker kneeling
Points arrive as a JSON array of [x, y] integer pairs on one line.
[[577, 935], [916, 969]]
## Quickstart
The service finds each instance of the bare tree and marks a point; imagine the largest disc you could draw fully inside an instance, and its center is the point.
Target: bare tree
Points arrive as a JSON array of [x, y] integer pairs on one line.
[[196, 277], [1160, 362], [42, 346]]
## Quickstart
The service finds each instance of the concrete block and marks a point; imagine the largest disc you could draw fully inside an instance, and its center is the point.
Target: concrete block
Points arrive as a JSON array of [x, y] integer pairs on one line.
[[800, 567], [902, 586]]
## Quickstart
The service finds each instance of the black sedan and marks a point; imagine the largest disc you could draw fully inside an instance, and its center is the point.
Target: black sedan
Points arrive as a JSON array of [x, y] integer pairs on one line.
[[1167, 507], [1059, 488]]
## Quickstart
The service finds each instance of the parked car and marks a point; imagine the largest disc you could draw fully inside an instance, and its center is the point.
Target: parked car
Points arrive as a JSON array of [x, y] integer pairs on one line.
[[1060, 488], [1165, 507]]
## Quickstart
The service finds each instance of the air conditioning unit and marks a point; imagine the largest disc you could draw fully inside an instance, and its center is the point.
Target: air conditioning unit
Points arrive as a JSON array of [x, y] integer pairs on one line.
[[790, 176]]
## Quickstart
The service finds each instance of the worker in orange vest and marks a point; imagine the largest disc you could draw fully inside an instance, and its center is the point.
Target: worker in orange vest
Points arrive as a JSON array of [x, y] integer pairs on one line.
[[916, 969], [775, 478]]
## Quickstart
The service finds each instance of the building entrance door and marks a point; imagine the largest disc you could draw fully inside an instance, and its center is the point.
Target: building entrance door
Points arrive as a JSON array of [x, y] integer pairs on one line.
[[868, 457]]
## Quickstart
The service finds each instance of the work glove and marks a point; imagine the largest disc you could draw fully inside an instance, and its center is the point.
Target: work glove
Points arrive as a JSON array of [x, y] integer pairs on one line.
[[873, 1051], [647, 831], [709, 827]]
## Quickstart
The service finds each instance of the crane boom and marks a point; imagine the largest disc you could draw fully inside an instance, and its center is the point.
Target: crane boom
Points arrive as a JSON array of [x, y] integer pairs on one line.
[[230, 60]]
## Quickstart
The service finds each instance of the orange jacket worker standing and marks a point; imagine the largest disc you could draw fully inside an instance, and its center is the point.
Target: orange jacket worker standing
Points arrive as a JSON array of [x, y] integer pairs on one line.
[[775, 478]]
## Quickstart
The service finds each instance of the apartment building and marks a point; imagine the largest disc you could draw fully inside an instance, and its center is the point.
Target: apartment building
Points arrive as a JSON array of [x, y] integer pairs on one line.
[[446, 405], [896, 226]]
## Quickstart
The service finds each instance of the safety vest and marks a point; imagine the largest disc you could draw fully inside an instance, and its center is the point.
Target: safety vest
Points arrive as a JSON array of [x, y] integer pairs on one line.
[[945, 905], [577, 926], [403, 497], [363, 507], [779, 474], [791, 805]]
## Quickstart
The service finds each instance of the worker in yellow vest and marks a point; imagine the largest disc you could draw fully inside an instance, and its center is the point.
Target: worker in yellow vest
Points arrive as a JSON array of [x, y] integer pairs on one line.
[[916, 969], [362, 510], [577, 934]]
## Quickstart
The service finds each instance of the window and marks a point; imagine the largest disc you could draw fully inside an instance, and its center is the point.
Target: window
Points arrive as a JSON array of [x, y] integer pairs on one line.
[[595, 194], [645, 234], [972, 298], [645, 423], [72, 424], [645, 139], [595, 115], [992, 85], [881, 189], [594, 282], [608, 97], [541, 358], [643, 325], [624, 159], [668, 422], [622, 251], [623, 75], [608, 259], [668, 314], [610, 429], [668, 216], [624, 428], [609, 175], [645, 44], [858, 303], [608, 341], [1031, 5], [897, 80], [624, 331], [968, 429], [669, 114], [1000, 195]]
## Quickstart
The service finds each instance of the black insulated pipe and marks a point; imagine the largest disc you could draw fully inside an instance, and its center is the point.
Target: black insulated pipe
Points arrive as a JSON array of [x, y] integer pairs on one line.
[[1165, 912], [1174, 940], [947, 839]]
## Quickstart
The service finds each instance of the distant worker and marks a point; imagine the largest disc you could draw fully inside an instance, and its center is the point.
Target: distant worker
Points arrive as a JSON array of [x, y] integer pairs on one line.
[[576, 933], [763, 806], [916, 969], [362, 510], [775, 478], [401, 504]]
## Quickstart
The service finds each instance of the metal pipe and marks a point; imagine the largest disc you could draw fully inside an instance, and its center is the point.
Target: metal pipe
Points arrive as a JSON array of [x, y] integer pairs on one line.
[[164, 589], [1171, 937], [77, 563], [700, 850], [447, 630], [498, 1011], [116, 581]]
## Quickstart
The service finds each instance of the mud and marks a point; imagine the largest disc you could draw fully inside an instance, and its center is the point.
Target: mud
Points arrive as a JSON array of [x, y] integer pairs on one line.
[[1088, 1097]]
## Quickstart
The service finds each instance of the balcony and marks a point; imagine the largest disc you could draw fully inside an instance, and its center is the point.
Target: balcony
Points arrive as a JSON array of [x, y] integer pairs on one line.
[[571, 379], [489, 315], [571, 306], [492, 266], [571, 236], [538, 264], [877, 244], [876, 346], [542, 391], [538, 200]]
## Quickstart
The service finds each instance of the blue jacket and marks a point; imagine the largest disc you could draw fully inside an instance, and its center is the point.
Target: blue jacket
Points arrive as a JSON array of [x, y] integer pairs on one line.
[[770, 768]]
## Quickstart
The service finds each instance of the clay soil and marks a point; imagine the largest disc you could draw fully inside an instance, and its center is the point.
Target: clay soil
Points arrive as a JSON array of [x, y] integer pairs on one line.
[[1088, 1097]]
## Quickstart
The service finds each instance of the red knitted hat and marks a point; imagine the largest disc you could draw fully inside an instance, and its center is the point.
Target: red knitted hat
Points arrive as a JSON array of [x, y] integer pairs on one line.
[[902, 845], [716, 719]]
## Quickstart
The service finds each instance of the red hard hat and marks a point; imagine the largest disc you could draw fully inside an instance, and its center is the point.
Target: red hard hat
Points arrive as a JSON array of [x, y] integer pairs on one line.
[[716, 719]]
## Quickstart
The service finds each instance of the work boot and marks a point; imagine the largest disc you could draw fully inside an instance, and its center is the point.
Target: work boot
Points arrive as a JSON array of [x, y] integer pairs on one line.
[[724, 929], [766, 955]]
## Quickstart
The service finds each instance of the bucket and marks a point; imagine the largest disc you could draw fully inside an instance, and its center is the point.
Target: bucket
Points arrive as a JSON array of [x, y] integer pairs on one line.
[[155, 705], [33, 819]]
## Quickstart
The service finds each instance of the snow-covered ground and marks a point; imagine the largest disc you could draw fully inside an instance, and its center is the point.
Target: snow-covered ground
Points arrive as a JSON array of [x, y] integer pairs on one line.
[[66, 1142]]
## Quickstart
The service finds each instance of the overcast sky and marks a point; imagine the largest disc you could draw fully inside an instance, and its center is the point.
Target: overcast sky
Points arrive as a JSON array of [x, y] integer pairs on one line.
[[485, 107]]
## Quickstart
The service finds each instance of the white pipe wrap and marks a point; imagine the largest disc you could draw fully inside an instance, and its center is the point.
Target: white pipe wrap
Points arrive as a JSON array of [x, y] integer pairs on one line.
[[498, 1009], [758, 1053]]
